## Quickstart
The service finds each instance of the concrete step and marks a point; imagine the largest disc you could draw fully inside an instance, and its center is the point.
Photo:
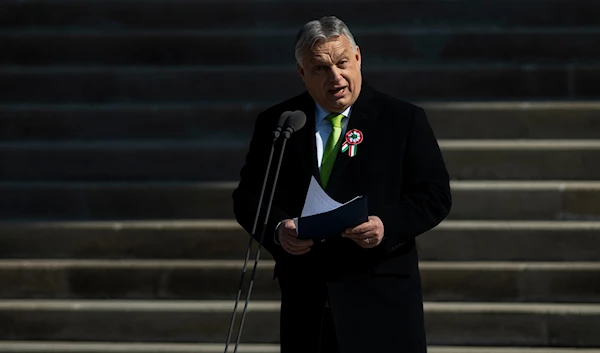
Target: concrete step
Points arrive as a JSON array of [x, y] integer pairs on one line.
[[452, 240], [275, 47], [450, 120], [218, 280], [107, 347], [511, 241], [140, 121], [110, 347], [169, 160], [276, 14], [226, 83], [545, 325], [472, 200]]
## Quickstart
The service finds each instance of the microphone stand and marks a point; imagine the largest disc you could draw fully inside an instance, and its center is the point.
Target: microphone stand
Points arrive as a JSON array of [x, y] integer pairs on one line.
[[286, 135], [260, 201]]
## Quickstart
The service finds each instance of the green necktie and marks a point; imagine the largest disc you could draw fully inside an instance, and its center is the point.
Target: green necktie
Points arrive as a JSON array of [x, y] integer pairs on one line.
[[332, 147]]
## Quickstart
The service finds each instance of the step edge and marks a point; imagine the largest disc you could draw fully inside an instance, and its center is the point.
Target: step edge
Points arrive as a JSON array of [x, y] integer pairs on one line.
[[270, 306], [232, 225], [229, 265], [428, 105], [122, 347], [466, 145], [459, 185], [287, 32]]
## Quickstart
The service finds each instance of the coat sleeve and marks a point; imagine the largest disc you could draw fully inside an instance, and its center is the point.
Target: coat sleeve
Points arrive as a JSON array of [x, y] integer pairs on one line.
[[425, 198], [246, 196]]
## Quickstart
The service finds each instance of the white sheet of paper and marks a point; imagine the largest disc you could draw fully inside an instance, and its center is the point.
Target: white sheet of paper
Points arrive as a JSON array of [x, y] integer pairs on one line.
[[317, 201]]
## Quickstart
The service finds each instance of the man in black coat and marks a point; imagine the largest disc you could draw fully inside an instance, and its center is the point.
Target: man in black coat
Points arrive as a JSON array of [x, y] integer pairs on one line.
[[359, 292]]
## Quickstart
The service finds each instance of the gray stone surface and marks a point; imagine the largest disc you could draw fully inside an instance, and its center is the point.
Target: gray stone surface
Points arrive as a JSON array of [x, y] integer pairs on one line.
[[586, 77], [145, 201], [177, 239], [449, 120], [274, 14], [513, 325], [194, 83], [511, 241], [514, 120], [217, 280], [221, 159], [116, 201], [100, 347], [128, 121], [453, 240], [263, 47], [446, 323]]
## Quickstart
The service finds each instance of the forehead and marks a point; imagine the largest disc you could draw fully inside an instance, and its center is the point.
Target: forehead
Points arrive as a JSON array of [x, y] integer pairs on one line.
[[330, 49]]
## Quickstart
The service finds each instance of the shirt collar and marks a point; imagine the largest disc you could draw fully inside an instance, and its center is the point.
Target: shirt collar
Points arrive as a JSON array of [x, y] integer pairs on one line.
[[321, 113]]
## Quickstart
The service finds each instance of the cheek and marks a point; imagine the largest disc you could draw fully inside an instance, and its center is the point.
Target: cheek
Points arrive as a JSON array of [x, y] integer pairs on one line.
[[315, 80], [349, 77], [354, 79], [313, 83]]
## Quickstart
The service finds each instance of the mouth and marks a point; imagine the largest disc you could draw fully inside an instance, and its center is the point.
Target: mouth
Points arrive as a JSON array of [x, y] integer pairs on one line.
[[338, 92]]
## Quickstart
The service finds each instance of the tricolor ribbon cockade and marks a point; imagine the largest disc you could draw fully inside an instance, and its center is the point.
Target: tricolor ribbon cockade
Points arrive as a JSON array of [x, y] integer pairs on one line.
[[353, 139]]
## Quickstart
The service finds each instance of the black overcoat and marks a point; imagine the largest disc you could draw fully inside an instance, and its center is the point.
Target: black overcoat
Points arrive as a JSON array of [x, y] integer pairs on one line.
[[374, 294]]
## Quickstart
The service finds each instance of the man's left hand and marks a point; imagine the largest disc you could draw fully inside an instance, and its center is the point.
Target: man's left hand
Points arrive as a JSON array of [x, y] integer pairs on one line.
[[367, 235]]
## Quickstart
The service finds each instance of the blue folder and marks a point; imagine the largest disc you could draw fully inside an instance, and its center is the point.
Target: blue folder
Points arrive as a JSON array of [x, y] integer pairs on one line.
[[333, 223]]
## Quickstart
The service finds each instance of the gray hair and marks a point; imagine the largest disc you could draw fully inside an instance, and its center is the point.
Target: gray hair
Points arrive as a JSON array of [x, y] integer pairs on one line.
[[321, 29]]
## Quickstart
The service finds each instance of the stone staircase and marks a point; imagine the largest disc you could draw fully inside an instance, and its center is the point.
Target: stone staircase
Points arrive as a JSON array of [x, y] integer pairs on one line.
[[123, 125]]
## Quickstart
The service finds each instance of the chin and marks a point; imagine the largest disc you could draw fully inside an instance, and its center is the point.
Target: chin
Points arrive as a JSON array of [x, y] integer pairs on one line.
[[340, 103]]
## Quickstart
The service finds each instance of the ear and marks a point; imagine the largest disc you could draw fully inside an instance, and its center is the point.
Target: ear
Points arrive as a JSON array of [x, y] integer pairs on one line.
[[358, 57], [300, 71]]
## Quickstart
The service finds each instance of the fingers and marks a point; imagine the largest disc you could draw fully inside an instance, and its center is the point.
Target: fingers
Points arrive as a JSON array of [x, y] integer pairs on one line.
[[288, 238], [362, 228], [361, 236], [371, 242], [368, 239], [289, 224], [296, 244], [368, 234], [297, 252], [368, 243]]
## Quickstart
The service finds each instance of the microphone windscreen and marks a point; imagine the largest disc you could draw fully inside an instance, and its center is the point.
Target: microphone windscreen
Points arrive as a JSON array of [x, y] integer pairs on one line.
[[283, 118], [296, 120]]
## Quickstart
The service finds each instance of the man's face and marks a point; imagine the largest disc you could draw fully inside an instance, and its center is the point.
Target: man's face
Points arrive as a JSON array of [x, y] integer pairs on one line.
[[331, 73]]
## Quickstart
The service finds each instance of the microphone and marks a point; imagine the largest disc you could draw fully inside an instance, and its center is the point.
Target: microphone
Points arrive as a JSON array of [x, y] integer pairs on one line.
[[282, 120], [295, 122]]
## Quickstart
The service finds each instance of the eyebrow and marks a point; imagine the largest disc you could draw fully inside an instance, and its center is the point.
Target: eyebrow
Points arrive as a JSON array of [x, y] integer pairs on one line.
[[318, 61]]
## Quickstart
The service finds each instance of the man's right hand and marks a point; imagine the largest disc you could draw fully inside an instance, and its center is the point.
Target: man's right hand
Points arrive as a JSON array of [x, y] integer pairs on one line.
[[288, 238]]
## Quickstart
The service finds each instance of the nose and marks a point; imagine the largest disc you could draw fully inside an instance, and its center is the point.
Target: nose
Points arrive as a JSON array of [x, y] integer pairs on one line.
[[335, 75]]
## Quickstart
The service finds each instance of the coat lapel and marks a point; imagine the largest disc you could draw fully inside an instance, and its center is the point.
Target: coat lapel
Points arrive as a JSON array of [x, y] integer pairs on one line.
[[305, 138], [361, 118]]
